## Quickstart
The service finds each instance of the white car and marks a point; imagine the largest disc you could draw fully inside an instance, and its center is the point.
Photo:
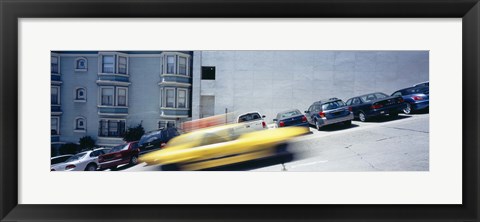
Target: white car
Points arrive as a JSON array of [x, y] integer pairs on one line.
[[84, 161], [252, 120]]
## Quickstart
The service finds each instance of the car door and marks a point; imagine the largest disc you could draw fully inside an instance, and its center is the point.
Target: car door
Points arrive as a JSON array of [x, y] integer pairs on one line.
[[309, 114], [356, 105]]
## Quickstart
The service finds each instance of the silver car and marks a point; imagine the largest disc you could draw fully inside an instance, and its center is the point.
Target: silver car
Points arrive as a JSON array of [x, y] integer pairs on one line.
[[84, 161]]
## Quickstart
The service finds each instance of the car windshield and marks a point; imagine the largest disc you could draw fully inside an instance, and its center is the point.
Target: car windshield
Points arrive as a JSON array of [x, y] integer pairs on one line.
[[380, 95], [415, 90], [289, 114], [249, 117], [119, 148], [333, 105], [76, 157], [147, 138]]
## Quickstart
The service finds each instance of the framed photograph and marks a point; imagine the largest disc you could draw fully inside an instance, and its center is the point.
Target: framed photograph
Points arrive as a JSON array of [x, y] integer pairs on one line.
[[225, 110]]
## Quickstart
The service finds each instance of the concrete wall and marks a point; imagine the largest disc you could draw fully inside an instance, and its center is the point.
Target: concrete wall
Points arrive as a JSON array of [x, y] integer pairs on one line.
[[272, 81]]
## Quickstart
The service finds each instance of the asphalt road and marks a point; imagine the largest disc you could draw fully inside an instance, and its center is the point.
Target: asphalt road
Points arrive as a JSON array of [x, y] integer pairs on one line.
[[385, 144]]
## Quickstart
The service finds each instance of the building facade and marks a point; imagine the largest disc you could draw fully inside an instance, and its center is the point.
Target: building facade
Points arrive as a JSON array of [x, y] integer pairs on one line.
[[101, 94]]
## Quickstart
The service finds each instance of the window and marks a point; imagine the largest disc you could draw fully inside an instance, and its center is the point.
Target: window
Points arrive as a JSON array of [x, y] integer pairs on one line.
[[108, 64], [80, 64], [182, 65], [170, 98], [349, 102], [165, 124], [111, 128], [80, 124], [80, 94], [356, 101], [397, 93], [107, 96], [208, 72], [55, 95], [122, 65], [54, 126], [171, 64], [182, 98], [121, 96], [54, 64]]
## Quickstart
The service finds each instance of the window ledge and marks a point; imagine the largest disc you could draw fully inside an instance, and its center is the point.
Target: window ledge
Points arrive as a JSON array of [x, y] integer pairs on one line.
[[79, 131], [107, 106], [173, 108], [180, 75], [80, 70], [79, 101], [112, 74]]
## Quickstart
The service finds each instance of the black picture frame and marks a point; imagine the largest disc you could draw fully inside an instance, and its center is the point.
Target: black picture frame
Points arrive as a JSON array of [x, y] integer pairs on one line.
[[11, 11]]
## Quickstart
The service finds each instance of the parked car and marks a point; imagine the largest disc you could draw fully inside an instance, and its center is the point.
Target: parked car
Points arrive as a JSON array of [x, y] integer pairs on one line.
[[252, 120], [422, 84], [416, 98], [291, 117], [327, 112], [371, 105], [222, 145], [84, 161], [59, 159], [122, 154], [156, 139]]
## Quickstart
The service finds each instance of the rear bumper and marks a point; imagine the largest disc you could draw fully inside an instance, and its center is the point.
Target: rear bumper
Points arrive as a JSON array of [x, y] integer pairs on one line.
[[324, 121], [418, 105], [387, 110]]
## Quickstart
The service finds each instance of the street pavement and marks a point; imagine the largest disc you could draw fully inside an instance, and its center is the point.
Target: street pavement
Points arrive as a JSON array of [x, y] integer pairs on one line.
[[384, 144]]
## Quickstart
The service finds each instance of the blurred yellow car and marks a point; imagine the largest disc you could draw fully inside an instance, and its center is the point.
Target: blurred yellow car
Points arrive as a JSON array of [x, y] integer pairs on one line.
[[220, 146]]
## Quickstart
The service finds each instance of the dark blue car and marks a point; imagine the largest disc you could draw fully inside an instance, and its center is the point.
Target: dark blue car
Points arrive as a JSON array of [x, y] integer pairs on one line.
[[416, 98], [291, 117], [327, 112], [371, 105]]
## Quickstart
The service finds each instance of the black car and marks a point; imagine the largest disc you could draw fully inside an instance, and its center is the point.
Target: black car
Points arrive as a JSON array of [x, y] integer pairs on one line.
[[156, 139], [291, 117], [375, 104], [327, 112]]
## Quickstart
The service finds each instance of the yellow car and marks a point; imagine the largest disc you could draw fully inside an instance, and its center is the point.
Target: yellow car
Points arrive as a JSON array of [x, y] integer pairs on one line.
[[220, 146]]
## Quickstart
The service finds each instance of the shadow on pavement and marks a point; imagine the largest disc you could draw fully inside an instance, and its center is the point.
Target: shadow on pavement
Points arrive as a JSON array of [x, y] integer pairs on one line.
[[335, 127], [381, 119]]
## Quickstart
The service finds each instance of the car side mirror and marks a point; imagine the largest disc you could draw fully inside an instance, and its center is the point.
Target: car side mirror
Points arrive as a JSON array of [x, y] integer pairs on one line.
[[263, 116], [274, 120], [306, 111]]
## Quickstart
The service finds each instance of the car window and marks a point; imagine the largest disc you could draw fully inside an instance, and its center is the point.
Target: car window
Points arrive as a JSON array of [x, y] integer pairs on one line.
[[368, 98], [59, 159], [380, 95], [398, 93], [310, 109], [76, 157], [289, 114], [249, 117], [333, 105], [356, 101], [349, 102], [134, 146]]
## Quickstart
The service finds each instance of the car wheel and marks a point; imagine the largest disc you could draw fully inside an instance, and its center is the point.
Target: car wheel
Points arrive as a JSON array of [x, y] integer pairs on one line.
[[407, 109], [133, 160], [91, 167], [317, 125], [362, 117]]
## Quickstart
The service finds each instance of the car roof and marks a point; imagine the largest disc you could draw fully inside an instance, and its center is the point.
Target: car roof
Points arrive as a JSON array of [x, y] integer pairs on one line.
[[333, 99], [62, 156], [286, 111], [413, 87], [252, 112], [368, 94]]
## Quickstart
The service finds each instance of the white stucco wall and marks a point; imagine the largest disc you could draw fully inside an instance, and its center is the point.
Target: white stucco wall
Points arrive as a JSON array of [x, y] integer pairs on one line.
[[272, 81]]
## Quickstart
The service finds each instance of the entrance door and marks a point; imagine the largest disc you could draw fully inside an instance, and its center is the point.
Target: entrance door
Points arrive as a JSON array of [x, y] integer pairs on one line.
[[207, 106]]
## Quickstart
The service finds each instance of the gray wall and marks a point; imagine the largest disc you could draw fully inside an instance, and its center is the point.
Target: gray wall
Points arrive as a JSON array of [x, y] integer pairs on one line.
[[272, 81]]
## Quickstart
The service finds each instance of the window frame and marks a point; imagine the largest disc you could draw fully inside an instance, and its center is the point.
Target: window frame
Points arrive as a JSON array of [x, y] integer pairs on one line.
[[58, 95], [174, 64], [76, 97], [116, 95], [101, 95], [178, 98], [100, 127], [75, 64], [103, 63], [58, 64], [75, 124], [118, 64], [57, 125], [178, 65], [214, 73], [165, 103]]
